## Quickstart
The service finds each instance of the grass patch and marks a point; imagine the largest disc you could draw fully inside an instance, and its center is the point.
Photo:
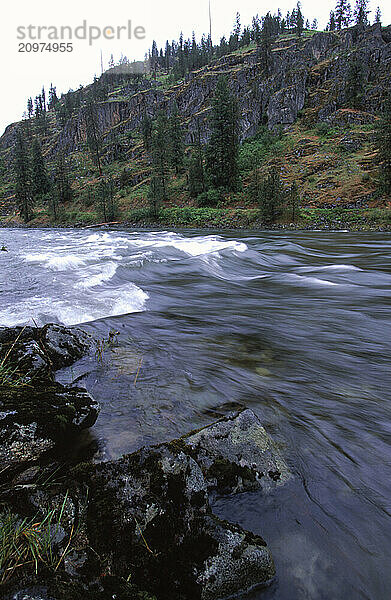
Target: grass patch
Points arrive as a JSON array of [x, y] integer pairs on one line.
[[31, 543]]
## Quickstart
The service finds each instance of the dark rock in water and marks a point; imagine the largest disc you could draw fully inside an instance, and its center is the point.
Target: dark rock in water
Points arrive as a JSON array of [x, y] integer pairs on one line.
[[237, 454], [149, 514], [63, 345], [36, 413]]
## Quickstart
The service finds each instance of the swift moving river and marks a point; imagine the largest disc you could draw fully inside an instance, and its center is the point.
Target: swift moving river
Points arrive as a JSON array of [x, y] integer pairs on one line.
[[296, 326]]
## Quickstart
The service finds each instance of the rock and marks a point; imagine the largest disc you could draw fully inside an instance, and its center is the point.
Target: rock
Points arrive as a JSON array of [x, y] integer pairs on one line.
[[64, 345], [33, 421], [149, 512], [237, 454], [37, 413]]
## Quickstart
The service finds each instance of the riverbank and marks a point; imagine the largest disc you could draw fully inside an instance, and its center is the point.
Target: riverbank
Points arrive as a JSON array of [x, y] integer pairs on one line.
[[371, 219]]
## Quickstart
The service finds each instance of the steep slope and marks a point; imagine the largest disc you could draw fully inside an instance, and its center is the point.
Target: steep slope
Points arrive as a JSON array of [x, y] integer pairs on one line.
[[307, 81]]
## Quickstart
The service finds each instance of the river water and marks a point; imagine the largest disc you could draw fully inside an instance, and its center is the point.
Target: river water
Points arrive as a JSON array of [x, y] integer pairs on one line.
[[296, 326]]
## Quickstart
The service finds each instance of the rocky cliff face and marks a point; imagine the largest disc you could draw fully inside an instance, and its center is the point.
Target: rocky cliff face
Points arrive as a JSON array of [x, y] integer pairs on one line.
[[310, 74]]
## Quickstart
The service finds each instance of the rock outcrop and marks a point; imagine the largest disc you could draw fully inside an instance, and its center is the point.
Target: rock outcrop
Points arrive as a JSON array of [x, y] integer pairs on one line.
[[37, 413], [144, 522]]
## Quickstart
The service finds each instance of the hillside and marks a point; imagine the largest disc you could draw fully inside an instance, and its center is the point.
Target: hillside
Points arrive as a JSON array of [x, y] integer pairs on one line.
[[311, 112]]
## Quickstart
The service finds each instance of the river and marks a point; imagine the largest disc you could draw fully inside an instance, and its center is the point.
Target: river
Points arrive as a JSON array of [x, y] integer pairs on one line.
[[295, 325]]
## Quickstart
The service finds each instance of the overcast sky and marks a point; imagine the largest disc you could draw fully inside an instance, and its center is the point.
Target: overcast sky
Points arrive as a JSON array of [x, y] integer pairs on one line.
[[25, 73]]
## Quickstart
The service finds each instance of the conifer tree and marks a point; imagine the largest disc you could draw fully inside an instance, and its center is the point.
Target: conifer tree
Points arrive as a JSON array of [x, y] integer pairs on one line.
[[160, 164], [332, 24], [52, 97], [361, 12], [378, 15], [343, 14], [30, 108], [146, 130], [299, 20], [354, 83], [40, 181], [196, 168], [63, 187], [176, 149], [222, 150], [271, 196], [23, 177]]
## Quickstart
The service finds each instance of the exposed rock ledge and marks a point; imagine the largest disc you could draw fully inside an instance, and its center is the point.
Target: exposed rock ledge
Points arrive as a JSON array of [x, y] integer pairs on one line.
[[142, 522]]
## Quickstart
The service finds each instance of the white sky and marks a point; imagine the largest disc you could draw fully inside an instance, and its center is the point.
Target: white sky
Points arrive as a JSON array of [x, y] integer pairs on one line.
[[25, 73]]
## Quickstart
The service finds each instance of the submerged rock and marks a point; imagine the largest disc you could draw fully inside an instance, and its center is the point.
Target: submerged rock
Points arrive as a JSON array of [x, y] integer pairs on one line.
[[237, 454]]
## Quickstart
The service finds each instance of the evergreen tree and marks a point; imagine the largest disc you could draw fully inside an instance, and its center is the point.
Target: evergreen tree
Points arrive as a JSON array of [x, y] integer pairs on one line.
[[196, 168], [107, 208], [40, 181], [299, 20], [160, 164], [176, 149], [378, 15], [23, 177], [314, 24], [332, 24], [361, 12], [146, 130], [383, 144], [223, 147], [94, 138], [265, 46], [52, 97], [343, 14], [354, 83], [30, 108], [271, 196], [63, 188]]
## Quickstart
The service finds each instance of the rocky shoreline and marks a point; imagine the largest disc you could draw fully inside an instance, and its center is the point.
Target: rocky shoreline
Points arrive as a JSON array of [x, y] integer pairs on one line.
[[140, 527]]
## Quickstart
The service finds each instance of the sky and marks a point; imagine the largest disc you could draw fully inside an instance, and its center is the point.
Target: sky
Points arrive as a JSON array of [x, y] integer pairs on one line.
[[26, 72]]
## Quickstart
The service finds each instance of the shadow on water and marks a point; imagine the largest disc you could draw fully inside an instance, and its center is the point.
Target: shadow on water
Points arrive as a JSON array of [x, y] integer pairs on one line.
[[296, 326]]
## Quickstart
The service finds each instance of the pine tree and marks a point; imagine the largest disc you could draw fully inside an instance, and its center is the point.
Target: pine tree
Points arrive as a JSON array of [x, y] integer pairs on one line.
[[63, 188], [332, 24], [222, 150], [94, 138], [271, 196], [160, 164], [107, 208], [361, 12], [343, 14], [30, 108], [378, 15], [299, 20], [196, 168], [146, 130], [40, 181], [23, 177], [265, 46], [383, 144], [354, 83], [52, 97], [176, 149]]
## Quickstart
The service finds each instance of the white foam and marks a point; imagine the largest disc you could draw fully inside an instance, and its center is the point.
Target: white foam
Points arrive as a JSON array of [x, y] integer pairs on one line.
[[56, 262], [123, 300], [96, 275], [310, 281], [330, 268]]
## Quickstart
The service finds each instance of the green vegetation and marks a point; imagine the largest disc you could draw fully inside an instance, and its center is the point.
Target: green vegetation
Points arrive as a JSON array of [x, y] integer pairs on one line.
[[31, 543]]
